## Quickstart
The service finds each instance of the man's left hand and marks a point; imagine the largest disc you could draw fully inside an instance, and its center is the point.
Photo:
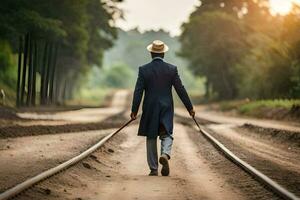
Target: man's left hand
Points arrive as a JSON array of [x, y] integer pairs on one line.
[[133, 115], [192, 113]]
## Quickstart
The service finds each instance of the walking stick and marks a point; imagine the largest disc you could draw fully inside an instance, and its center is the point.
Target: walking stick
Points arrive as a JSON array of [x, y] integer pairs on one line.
[[124, 125], [197, 123]]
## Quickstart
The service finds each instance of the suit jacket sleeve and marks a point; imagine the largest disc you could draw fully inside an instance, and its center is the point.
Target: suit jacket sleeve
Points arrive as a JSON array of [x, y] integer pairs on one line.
[[181, 91], [138, 92]]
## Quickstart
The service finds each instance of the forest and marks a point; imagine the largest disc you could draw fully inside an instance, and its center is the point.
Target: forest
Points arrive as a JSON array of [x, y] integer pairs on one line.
[[51, 51], [48, 46], [129, 52], [243, 50]]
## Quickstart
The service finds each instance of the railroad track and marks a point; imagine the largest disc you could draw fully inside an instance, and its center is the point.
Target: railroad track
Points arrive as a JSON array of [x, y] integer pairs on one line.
[[256, 174], [19, 188]]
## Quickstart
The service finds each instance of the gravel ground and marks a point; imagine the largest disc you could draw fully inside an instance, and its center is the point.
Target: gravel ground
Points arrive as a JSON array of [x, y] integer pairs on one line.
[[31, 149], [119, 171], [289, 138], [232, 174], [19, 131], [281, 162]]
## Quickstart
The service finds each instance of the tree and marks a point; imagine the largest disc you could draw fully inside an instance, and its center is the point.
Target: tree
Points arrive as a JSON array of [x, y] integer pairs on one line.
[[291, 37], [59, 39], [213, 42], [242, 50]]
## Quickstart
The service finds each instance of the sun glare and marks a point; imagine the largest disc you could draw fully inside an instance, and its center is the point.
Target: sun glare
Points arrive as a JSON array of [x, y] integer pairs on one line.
[[282, 7]]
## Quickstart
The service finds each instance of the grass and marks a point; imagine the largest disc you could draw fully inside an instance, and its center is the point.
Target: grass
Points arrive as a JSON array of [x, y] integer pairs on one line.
[[267, 104], [90, 97], [261, 108], [10, 95], [85, 97]]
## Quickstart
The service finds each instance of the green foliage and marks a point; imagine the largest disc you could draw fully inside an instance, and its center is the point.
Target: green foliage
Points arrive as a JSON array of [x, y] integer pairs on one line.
[[256, 106], [130, 49], [244, 54], [7, 65], [271, 108], [7, 73], [81, 29], [213, 42], [90, 97], [122, 61], [118, 76]]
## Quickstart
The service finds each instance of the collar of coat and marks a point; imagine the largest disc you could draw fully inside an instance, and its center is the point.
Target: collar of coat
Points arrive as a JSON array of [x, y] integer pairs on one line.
[[158, 58]]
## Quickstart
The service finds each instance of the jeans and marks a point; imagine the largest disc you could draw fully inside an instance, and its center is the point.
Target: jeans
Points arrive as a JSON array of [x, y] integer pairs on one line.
[[151, 144]]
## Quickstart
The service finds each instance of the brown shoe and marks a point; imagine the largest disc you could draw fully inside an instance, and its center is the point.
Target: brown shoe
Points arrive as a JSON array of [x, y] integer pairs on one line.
[[153, 173], [164, 160]]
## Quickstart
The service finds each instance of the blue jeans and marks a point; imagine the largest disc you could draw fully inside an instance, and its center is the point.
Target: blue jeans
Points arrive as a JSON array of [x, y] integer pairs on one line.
[[166, 147]]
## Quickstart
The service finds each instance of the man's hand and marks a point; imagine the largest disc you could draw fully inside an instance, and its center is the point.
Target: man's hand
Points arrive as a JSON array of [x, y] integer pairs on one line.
[[192, 113], [133, 115]]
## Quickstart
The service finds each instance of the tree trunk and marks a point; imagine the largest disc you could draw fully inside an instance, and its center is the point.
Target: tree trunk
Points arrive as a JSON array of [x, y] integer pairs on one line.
[[57, 89], [24, 69], [207, 92], [43, 75], [35, 64], [48, 73], [64, 94], [53, 69], [227, 93], [30, 74], [19, 70]]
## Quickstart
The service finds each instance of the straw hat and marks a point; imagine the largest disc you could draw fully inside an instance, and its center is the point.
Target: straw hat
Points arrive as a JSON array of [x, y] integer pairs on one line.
[[157, 46]]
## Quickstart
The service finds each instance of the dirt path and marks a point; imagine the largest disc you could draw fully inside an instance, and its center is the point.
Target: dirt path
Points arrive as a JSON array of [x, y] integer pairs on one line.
[[119, 171], [281, 154], [24, 157], [219, 118], [119, 102], [279, 161], [190, 177]]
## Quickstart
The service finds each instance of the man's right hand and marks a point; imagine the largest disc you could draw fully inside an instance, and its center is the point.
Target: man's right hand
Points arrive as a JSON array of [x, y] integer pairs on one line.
[[192, 113], [133, 115]]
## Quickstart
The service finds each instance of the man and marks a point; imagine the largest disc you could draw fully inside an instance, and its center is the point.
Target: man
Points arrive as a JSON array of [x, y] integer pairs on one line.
[[156, 79]]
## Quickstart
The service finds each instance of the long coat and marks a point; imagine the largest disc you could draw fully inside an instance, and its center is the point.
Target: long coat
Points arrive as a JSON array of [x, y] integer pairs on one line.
[[156, 80]]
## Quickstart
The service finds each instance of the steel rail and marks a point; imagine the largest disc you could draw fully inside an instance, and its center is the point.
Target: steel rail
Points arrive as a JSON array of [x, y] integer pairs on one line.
[[14, 191], [262, 178]]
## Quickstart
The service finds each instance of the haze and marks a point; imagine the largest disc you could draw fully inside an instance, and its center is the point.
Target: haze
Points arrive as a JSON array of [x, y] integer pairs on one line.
[[156, 14]]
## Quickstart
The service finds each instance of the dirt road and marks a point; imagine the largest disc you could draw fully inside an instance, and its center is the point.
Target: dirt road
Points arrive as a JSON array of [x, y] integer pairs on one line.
[[238, 121], [85, 115], [278, 160], [190, 177], [24, 157], [119, 171], [270, 146]]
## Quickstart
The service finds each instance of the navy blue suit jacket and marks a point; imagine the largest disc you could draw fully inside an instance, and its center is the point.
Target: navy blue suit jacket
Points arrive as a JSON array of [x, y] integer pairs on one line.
[[156, 80]]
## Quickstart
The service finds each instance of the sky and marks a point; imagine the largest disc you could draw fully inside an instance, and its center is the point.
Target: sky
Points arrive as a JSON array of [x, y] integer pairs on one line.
[[282, 6], [170, 14], [156, 14]]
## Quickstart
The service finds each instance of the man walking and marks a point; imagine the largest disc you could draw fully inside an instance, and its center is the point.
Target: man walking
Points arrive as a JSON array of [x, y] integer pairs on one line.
[[156, 80]]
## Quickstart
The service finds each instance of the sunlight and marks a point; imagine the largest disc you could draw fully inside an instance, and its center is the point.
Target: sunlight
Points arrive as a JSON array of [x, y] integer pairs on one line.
[[282, 7]]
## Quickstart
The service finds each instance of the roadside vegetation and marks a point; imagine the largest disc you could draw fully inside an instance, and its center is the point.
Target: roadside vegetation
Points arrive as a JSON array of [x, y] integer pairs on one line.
[[48, 47], [245, 52], [63, 52], [272, 109], [121, 62]]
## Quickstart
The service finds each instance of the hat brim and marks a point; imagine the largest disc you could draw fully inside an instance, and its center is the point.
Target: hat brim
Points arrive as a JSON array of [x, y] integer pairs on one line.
[[150, 49]]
